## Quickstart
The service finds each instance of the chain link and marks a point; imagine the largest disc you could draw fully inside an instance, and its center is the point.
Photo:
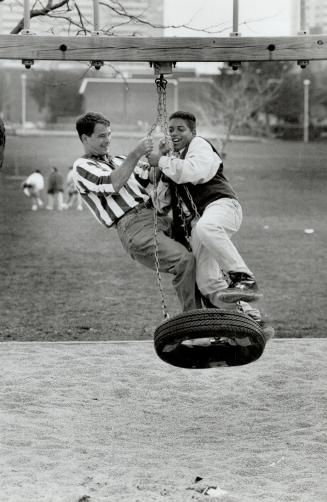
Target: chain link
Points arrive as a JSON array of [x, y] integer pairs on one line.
[[162, 122]]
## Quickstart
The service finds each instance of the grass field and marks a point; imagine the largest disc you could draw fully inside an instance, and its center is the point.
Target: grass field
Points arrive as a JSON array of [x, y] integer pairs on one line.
[[64, 277]]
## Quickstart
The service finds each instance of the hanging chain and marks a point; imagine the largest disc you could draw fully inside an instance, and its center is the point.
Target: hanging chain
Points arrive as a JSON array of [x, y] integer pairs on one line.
[[162, 122], [162, 118], [183, 218]]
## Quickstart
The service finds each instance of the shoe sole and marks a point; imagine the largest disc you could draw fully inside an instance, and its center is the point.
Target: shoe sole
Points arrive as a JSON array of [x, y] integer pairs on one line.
[[236, 296]]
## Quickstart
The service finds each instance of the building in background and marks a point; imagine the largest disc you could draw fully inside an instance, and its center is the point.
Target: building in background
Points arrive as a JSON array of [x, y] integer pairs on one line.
[[315, 16]]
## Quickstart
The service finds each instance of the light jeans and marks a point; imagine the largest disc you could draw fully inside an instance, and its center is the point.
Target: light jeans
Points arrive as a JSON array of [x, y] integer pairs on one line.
[[213, 249], [136, 233]]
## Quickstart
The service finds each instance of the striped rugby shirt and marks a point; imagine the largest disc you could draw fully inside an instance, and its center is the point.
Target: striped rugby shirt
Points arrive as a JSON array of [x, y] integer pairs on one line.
[[92, 177]]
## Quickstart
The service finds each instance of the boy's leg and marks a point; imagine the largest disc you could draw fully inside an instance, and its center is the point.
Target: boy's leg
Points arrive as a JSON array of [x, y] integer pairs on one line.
[[60, 200], [136, 233], [220, 220], [209, 276], [34, 202], [50, 201]]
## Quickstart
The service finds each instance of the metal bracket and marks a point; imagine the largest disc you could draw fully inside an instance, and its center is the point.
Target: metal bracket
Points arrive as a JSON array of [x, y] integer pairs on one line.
[[303, 63], [97, 64], [162, 67], [27, 63], [234, 65]]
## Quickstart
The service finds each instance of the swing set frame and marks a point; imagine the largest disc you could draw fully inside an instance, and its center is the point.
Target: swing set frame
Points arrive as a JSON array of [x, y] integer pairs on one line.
[[227, 340], [163, 52]]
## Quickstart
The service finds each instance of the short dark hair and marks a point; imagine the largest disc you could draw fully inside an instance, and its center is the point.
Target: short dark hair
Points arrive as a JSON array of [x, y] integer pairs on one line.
[[187, 116], [86, 123]]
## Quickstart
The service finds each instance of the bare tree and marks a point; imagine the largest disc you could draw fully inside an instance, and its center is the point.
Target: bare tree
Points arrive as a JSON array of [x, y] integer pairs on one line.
[[71, 15], [236, 99]]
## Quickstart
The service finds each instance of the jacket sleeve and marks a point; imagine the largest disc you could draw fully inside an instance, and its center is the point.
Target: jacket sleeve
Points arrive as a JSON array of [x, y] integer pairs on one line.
[[199, 165]]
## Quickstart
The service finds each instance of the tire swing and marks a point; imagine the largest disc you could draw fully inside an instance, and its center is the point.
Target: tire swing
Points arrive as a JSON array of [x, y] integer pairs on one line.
[[207, 337]]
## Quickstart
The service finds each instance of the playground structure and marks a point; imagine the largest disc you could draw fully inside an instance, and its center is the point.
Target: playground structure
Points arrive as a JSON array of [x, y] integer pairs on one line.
[[234, 49], [163, 53]]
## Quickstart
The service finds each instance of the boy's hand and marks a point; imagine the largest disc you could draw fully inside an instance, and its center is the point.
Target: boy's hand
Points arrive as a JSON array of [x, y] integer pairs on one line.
[[164, 146], [145, 146], [153, 159]]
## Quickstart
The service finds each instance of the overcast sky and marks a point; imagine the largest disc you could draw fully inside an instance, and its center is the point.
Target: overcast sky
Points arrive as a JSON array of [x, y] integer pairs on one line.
[[256, 18], [262, 17]]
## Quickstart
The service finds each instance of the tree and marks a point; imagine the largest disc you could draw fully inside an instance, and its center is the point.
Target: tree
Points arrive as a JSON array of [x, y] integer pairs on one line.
[[70, 14], [58, 97], [237, 97]]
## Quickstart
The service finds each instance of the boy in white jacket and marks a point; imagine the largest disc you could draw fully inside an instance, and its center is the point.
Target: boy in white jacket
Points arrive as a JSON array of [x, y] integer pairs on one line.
[[32, 186]]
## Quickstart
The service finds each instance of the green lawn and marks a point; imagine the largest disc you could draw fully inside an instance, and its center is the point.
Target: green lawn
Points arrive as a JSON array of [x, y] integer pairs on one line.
[[64, 276]]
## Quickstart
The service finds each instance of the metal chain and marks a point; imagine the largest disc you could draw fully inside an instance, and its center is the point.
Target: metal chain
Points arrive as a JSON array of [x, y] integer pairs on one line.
[[162, 122], [156, 256]]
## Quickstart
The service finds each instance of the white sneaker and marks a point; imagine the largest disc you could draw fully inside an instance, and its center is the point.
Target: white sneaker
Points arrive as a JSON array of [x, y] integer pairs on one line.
[[34, 207]]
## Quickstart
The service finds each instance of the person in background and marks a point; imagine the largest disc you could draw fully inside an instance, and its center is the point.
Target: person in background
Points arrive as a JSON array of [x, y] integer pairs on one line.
[[33, 186], [55, 190], [73, 195]]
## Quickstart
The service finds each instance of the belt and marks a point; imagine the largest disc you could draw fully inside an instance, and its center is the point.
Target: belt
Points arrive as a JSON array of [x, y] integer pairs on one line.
[[143, 205]]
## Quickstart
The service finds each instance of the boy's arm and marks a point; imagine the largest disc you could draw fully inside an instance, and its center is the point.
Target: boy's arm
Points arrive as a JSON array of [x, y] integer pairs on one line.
[[199, 166], [121, 175], [89, 177]]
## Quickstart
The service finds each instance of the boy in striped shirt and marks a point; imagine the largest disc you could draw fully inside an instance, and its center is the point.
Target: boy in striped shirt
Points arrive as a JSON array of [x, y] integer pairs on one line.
[[117, 196]]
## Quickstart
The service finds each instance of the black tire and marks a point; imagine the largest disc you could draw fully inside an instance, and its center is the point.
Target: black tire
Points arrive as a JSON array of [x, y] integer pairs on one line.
[[235, 339]]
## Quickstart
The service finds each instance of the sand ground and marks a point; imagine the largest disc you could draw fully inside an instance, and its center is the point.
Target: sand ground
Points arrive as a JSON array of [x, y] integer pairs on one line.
[[101, 421]]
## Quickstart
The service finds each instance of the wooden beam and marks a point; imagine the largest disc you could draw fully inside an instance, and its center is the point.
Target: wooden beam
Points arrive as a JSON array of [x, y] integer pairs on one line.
[[98, 47]]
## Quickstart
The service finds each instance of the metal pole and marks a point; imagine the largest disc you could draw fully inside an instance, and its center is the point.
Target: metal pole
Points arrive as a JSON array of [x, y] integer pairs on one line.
[[27, 18], [23, 82], [303, 29], [306, 84], [235, 16], [96, 15]]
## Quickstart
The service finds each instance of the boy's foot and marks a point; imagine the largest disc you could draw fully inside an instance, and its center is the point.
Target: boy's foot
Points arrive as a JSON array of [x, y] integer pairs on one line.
[[242, 287]]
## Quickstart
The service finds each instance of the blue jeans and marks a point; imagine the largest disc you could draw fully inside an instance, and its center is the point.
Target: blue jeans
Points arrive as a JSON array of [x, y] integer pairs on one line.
[[136, 233]]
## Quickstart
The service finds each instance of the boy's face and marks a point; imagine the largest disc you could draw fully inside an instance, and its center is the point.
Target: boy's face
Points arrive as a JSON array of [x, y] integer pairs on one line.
[[180, 133], [99, 141]]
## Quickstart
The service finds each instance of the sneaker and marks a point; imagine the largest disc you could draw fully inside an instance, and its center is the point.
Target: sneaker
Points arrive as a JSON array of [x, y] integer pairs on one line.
[[250, 311], [34, 207], [242, 287]]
